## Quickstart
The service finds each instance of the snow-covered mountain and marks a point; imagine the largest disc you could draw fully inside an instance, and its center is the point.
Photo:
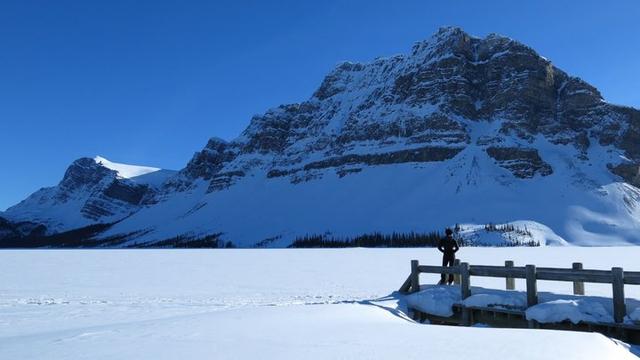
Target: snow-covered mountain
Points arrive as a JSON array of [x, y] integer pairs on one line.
[[91, 191], [462, 130]]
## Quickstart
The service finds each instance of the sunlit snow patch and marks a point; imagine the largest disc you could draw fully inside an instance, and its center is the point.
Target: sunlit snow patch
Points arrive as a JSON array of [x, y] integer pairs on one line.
[[571, 310], [124, 170]]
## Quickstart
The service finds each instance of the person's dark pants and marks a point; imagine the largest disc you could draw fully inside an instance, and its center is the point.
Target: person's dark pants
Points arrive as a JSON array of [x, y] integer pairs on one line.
[[447, 260]]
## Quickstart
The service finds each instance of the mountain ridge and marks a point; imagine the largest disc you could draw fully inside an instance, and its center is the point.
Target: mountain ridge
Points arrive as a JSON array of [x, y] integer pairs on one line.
[[487, 115]]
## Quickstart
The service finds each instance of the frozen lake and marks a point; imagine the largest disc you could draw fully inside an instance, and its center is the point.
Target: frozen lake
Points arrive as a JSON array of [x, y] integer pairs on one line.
[[287, 303]]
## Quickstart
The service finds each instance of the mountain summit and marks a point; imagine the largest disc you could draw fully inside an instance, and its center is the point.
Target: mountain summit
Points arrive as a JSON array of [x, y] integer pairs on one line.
[[462, 130]]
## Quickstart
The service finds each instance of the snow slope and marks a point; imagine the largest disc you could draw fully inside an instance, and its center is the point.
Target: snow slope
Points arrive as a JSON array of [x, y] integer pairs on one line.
[[271, 304]]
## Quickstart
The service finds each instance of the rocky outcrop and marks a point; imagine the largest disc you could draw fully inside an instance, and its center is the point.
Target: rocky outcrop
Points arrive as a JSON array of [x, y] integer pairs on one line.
[[417, 155], [523, 163], [427, 98], [84, 173], [629, 172], [206, 163]]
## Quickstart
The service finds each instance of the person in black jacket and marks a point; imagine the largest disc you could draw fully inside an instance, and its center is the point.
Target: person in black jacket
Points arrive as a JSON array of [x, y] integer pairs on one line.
[[448, 247]]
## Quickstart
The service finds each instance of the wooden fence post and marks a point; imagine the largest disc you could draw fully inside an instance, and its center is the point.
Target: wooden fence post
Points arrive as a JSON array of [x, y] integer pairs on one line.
[[465, 283], [532, 288], [456, 277], [511, 282], [578, 286], [415, 276], [619, 308], [465, 291]]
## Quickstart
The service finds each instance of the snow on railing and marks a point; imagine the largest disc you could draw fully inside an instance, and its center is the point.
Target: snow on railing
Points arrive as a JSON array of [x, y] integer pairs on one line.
[[463, 271]]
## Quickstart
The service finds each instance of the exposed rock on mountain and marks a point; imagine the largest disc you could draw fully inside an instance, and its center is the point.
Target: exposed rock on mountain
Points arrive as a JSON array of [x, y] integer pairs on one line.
[[522, 162]]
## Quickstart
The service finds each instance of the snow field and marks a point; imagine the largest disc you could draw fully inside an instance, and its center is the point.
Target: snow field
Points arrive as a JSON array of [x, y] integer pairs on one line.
[[271, 304]]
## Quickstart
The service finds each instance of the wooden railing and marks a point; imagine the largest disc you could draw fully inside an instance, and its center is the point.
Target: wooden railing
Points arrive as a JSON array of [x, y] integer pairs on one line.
[[462, 272]]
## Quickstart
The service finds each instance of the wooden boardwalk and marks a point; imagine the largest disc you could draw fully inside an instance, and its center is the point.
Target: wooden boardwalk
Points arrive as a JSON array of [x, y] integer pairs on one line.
[[507, 318]]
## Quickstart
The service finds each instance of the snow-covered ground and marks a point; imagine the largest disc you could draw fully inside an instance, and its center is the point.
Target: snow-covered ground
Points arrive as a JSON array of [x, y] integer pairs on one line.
[[268, 304]]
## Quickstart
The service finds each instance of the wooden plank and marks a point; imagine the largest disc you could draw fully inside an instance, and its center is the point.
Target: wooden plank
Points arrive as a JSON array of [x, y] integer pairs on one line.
[[438, 269], [497, 271], [532, 288], [542, 273], [415, 276], [568, 271], [456, 277], [619, 308], [632, 277], [570, 275], [578, 286], [510, 282], [572, 271], [465, 281], [553, 274]]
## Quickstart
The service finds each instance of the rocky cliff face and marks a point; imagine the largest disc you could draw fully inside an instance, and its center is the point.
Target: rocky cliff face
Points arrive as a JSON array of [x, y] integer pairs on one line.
[[481, 115], [426, 101]]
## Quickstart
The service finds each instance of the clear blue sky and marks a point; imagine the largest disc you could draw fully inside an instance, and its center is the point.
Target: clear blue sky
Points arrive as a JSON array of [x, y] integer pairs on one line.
[[148, 82]]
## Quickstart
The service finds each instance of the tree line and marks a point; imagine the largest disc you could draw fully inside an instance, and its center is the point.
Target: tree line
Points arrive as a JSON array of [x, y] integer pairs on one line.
[[399, 240]]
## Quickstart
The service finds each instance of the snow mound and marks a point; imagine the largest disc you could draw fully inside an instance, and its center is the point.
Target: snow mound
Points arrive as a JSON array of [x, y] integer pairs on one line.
[[439, 299], [435, 300], [635, 315], [575, 311], [500, 299]]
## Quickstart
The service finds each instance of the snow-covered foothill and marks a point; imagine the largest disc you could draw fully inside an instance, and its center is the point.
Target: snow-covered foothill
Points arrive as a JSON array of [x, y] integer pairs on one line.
[[520, 233]]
